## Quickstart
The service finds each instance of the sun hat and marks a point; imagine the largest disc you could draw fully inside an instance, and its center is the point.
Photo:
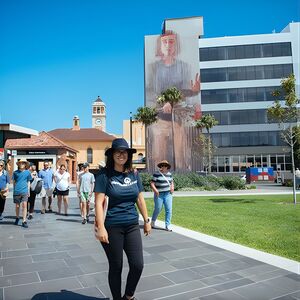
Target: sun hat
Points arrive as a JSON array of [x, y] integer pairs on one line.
[[24, 160], [119, 144], [164, 162], [102, 164]]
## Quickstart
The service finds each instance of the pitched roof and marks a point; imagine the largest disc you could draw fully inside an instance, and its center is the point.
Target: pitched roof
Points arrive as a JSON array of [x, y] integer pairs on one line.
[[98, 99], [42, 141], [83, 134]]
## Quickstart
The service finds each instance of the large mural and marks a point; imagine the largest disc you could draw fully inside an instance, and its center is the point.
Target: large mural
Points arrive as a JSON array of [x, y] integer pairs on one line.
[[172, 60]]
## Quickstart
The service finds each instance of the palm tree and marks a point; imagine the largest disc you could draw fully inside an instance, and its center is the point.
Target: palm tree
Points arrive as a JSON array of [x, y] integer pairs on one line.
[[207, 121], [147, 116], [170, 97]]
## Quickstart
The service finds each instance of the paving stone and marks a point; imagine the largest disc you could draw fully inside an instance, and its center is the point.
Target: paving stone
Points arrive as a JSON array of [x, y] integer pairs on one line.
[[62, 272], [260, 291], [24, 252], [233, 284], [37, 235], [220, 279], [175, 290], [227, 295], [215, 257], [27, 291], [287, 284], [209, 270], [182, 253], [31, 267], [182, 276], [188, 262], [17, 279], [94, 267], [50, 256], [80, 260], [1, 294], [287, 297], [158, 268], [159, 249], [96, 279], [151, 259], [15, 260], [153, 282]]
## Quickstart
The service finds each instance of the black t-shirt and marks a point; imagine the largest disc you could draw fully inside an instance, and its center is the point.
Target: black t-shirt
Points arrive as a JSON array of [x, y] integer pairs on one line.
[[123, 190]]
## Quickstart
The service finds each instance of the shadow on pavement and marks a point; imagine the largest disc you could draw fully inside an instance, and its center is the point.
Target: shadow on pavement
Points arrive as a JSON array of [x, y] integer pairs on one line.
[[64, 295]]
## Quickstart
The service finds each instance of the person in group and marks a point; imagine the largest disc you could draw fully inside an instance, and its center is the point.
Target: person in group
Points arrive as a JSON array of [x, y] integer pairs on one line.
[[79, 172], [32, 196], [21, 182], [162, 185], [4, 182], [119, 230], [62, 181], [85, 189], [46, 175]]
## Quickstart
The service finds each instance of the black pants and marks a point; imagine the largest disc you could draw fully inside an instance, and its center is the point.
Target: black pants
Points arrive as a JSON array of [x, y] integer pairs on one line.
[[127, 238], [2, 204], [31, 201]]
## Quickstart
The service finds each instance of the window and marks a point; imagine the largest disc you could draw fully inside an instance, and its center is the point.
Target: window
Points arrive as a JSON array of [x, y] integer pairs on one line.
[[89, 155], [245, 51]]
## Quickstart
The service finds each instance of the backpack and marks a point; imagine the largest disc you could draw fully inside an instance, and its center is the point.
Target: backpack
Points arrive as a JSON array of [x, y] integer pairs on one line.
[[36, 185]]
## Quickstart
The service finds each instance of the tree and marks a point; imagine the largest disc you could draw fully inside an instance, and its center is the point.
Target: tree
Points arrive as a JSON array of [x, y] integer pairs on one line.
[[207, 121], [168, 99], [286, 115], [147, 116]]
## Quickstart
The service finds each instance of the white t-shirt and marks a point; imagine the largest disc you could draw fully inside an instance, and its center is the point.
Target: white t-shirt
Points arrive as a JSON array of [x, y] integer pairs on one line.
[[62, 180]]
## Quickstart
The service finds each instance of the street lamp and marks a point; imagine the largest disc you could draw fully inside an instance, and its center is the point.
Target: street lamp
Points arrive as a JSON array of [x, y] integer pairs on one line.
[[130, 129]]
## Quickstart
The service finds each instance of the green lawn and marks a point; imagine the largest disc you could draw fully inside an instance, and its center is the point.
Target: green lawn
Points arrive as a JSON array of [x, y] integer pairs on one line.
[[267, 223]]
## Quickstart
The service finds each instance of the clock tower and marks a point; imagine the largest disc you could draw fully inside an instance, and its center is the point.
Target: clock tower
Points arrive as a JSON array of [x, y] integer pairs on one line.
[[99, 114]]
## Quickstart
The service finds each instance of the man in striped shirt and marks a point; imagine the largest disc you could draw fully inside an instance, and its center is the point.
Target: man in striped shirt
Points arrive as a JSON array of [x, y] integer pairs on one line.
[[163, 187]]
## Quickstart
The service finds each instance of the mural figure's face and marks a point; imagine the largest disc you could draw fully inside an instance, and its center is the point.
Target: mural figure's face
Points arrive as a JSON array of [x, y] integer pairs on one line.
[[168, 45]]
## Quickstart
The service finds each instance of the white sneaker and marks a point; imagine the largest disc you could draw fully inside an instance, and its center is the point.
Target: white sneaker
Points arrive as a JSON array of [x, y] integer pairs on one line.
[[168, 228], [153, 224]]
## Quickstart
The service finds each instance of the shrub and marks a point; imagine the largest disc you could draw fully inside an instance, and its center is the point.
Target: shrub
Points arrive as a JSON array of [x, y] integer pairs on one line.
[[146, 179], [232, 183], [182, 181]]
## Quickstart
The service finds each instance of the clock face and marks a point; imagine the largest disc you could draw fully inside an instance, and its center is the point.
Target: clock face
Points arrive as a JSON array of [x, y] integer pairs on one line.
[[98, 122]]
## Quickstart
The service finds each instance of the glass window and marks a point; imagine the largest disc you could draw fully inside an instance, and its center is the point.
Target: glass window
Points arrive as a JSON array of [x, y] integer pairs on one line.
[[259, 72], [250, 73], [240, 52], [90, 155], [260, 94], [225, 139], [224, 117], [286, 49], [231, 52], [235, 117], [221, 163], [269, 73], [235, 164], [267, 50], [204, 54], [251, 94], [249, 51], [287, 70]]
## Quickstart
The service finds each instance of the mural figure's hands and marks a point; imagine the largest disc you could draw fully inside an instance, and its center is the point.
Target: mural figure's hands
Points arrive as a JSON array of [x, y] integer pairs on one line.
[[195, 86]]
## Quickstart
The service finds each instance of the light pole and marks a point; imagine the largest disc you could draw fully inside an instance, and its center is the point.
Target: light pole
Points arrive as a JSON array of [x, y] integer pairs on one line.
[[130, 129]]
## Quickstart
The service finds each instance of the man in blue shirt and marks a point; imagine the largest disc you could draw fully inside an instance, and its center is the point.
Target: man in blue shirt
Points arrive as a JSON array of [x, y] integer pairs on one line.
[[46, 175], [21, 181]]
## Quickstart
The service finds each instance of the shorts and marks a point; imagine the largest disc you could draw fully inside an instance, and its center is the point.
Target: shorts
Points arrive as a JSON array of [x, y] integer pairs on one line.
[[20, 198], [85, 197], [62, 193], [46, 192]]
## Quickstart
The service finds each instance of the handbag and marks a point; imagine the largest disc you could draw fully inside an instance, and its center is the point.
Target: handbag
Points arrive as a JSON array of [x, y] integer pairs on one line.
[[4, 193]]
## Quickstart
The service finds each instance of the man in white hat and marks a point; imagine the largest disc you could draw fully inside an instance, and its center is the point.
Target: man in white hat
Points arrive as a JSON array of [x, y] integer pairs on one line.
[[21, 182]]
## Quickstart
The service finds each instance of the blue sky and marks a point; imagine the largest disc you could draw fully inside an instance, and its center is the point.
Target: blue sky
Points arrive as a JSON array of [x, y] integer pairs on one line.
[[57, 56]]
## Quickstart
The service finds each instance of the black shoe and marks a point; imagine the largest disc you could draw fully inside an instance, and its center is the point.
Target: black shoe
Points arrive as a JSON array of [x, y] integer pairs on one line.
[[50, 210], [88, 218], [24, 224], [17, 221], [42, 211], [66, 215], [83, 221], [30, 217]]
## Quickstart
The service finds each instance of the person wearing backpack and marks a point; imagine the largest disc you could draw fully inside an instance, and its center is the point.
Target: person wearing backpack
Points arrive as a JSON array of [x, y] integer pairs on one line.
[[32, 196], [4, 182]]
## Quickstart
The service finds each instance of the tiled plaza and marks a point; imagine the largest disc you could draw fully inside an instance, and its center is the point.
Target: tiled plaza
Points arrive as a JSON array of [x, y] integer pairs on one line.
[[58, 258]]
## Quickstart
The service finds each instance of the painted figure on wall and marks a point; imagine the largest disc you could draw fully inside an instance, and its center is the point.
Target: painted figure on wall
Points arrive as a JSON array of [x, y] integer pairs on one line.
[[171, 71]]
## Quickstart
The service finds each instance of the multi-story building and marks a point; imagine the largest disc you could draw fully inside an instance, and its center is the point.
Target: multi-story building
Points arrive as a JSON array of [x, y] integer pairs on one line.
[[238, 76]]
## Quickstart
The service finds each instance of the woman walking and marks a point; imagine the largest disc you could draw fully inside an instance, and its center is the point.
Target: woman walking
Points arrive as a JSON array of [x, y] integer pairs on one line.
[[120, 229], [163, 187], [32, 195], [4, 182], [62, 180]]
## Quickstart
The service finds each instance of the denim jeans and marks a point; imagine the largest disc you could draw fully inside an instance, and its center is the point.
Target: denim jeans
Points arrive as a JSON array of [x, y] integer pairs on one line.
[[164, 198]]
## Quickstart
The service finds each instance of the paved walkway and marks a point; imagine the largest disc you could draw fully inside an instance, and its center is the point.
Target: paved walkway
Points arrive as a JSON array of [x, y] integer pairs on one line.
[[58, 258]]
